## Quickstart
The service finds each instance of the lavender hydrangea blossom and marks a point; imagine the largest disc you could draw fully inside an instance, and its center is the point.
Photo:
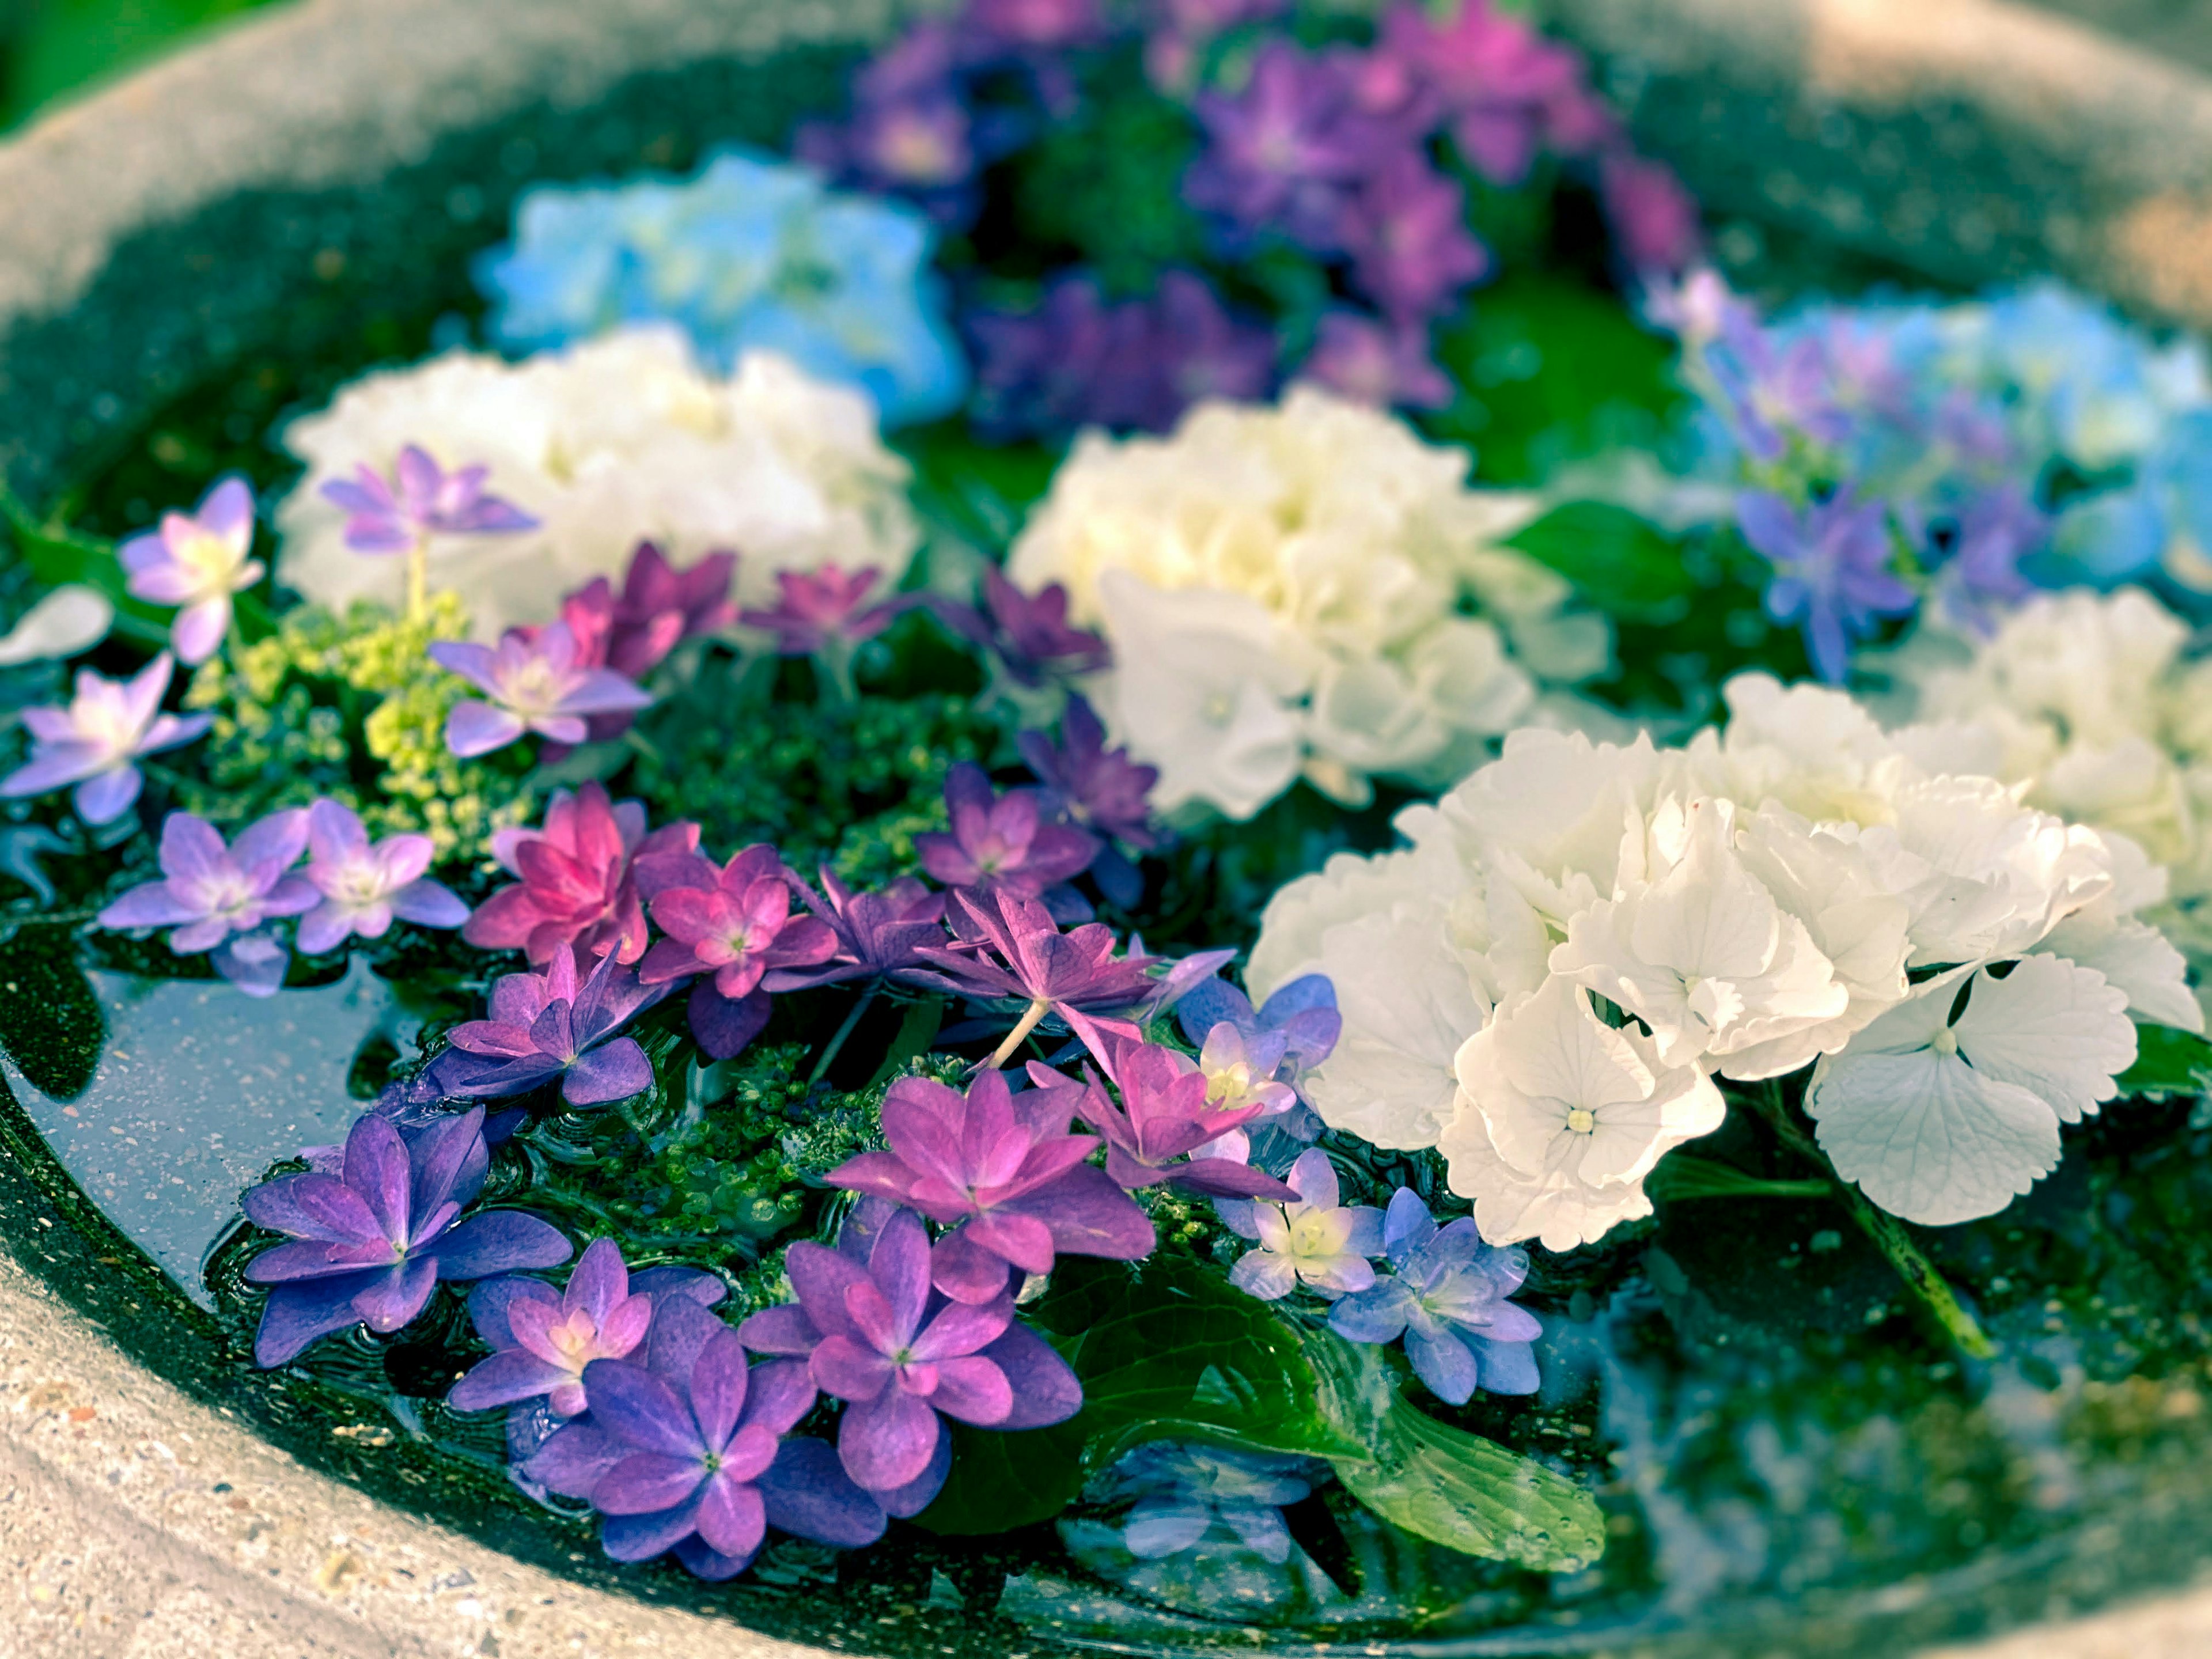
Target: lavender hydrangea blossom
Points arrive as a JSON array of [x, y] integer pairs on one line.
[[1166, 1130], [998, 842], [371, 1243], [534, 684], [96, 742], [1833, 575], [548, 1025], [197, 561], [1028, 635], [1241, 1048], [420, 501], [1311, 1239], [878, 934], [1103, 790], [1447, 1297], [218, 898], [365, 887], [731, 927], [1001, 1171], [876, 1337], [688, 1453], [1010, 947]]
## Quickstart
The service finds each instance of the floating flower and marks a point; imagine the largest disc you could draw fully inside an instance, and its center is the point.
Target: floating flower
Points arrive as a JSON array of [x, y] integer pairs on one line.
[[733, 925], [1166, 1129], [1308, 1239], [71, 618], [372, 1241], [878, 934], [578, 882], [96, 741], [542, 1340], [1001, 844], [877, 1340], [1100, 788], [535, 685], [1282, 150], [1029, 635], [621, 440], [1833, 575], [1447, 1296], [420, 501], [1941, 1112], [690, 1454], [217, 898], [824, 608], [197, 561], [1406, 229], [365, 887], [749, 253], [1184, 1493], [1002, 1172], [547, 1026], [1306, 589], [1009, 946]]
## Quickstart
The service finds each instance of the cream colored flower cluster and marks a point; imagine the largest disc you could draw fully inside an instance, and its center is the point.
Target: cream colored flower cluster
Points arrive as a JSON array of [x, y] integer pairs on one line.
[[1302, 589], [621, 440], [1576, 943], [2093, 703]]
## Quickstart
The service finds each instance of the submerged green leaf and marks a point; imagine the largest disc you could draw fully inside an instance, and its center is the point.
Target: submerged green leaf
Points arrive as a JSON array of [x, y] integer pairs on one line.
[[1441, 1484]]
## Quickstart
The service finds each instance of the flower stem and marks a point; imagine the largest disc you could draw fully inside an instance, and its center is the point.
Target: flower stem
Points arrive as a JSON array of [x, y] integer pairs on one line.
[[866, 1000], [1035, 1011], [418, 579], [1890, 1235]]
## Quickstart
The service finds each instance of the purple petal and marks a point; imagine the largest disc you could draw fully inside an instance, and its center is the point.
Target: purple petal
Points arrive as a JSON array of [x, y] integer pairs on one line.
[[899, 1265], [197, 629], [710, 1565], [430, 904], [778, 1392], [724, 1027], [508, 1375], [887, 1443], [575, 1459], [255, 963], [488, 1304], [500, 1241], [279, 839], [1045, 1389], [478, 728], [603, 692], [104, 799], [641, 1537], [681, 1330], [150, 904], [395, 1296], [719, 1379], [807, 1493], [614, 1071], [974, 1390], [647, 1482], [599, 1280], [1089, 1214], [1444, 1363], [780, 1330], [640, 1410], [918, 1493], [693, 1284], [297, 1315]]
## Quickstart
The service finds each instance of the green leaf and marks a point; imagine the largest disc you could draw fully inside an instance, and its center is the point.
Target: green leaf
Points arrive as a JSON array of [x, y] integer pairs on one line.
[[1441, 1484], [1679, 1176], [917, 1031], [980, 492], [1619, 562], [2168, 1061], [50, 1021], [1166, 1349]]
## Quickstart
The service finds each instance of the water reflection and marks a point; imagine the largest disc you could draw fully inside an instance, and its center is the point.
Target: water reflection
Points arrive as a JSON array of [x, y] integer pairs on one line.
[[198, 1090]]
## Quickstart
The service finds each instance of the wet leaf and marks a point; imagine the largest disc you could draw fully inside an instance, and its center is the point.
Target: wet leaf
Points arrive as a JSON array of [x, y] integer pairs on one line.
[[2168, 1061], [1442, 1484]]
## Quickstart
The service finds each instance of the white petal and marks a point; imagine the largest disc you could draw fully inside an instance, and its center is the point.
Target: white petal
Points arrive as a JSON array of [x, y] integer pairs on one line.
[[2137, 957], [1927, 1137], [2059, 1030], [1509, 1206], [70, 619]]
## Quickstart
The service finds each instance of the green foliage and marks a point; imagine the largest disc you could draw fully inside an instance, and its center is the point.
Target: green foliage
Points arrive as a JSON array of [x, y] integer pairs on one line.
[[354, 709], [1619, 562], [52, 46], [1552, 371], [2168, 1061], [847, 785], [1441, 1483]]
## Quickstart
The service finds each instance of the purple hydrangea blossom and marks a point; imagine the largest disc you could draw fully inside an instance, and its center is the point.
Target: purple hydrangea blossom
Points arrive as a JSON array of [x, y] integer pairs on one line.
[[364, 887], [535, 683], [1772, 390], [1029, 635], [197, 561], [1981, 578], [543, 1339], [687, 1453], [1002, 1171], [878, 934], [1447, 1296], [1406, 230], [731, 926], [547, 1026], [218, 898], [818, 609], [1380, 363], [1164, 1129], [1298, 1025], [876, 1337], [1005, 946], [97, 740], [420, 501], [371, 1243], [1282, 150], [1001, 843], [1833, 575], [1311, 1239], [581, 881]]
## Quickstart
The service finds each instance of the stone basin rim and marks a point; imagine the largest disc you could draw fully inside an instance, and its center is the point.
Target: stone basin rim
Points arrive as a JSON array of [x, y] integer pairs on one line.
[[332, 94]]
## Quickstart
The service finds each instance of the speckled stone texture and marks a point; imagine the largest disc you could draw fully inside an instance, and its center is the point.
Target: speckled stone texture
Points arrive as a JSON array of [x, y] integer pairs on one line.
[[256, 192]]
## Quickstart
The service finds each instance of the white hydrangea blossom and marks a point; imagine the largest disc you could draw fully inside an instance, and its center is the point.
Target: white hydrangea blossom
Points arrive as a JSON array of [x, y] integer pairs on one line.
[[2092, 703], [1798, 895], [1302, 589], [620, 441]]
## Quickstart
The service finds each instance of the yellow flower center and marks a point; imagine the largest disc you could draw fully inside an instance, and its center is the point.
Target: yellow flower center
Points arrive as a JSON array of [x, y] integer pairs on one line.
[[1583, 1121]]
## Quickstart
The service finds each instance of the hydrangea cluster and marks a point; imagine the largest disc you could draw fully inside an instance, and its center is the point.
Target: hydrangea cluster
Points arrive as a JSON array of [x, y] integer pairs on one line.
[[747, 254], [1350, 159], [621, 440], [2097, 707], [1580, 944], [1302, 591], [1897, 453]]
